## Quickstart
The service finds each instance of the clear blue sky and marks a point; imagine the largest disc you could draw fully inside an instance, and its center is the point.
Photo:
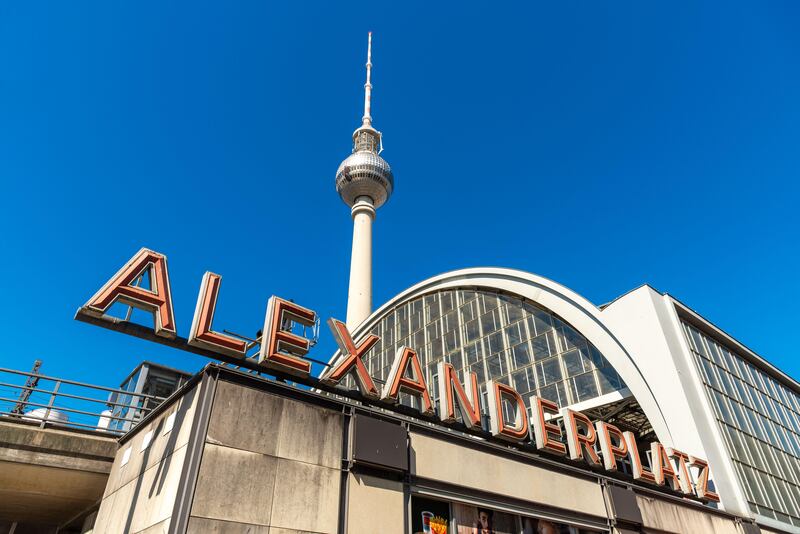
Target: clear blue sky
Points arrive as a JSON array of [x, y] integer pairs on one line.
[[600, 145]]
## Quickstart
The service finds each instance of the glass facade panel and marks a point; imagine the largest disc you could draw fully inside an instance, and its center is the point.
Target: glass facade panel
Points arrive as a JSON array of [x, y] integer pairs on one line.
[[498, 336], [760, 420]]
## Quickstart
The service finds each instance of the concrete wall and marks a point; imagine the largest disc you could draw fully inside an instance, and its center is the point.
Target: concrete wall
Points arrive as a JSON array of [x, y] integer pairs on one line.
[[254, 458], [268, 461], [49, 476], [144, 480], [444, 461], [368, 494]]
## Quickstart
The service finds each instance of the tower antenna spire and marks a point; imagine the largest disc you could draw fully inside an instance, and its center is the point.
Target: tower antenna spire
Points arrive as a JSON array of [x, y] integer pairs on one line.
[[367, 119]]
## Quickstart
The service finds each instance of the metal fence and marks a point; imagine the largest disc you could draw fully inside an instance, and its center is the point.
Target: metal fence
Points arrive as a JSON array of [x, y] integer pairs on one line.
[[47, 401]]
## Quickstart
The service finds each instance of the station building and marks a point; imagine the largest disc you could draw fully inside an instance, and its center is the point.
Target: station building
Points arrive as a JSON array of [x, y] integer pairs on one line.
[[462, 417], [365, 451], [233, 451]]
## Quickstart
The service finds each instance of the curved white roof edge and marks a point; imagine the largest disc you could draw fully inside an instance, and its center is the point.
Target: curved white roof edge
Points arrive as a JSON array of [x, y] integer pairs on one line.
[[580, 313]]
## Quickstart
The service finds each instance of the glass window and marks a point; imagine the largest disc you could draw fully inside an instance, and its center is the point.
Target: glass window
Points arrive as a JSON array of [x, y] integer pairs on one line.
[[549, 371], [513, 334], [585, 386], [428, 515], [478, 370], [418, 339], [573, 362], [540, 321], [550, 393], [541, 347], [472, 331], [473, 352], [456, 360], [451, 341], [495, 342], [710, 373], [723, 411], [496, 365], [450, 321], [468, 311], [738, 413], [437, 350], [447, 301], [763, 432], [609, 380], [489, 301], [572, 339], [521, 382], [521, 354], [488, 322]]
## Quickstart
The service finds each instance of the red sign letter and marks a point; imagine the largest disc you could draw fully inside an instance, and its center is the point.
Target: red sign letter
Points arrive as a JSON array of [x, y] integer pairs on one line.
[[467, 400], [397, 381], [280, 348], [351, 359], [156, 300], [544, 431], [685, 479], [497, 393], [639, 471], [607, 435], [701, 486], [662, 466], [201, 334], [578, 442]]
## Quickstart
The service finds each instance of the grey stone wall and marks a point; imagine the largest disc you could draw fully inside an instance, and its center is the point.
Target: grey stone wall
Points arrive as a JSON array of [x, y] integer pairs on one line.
[[254, 458], [268, 461], [140, 494]]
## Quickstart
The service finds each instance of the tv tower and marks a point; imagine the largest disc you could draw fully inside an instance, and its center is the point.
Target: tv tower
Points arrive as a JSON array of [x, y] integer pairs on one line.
[[365, 182]]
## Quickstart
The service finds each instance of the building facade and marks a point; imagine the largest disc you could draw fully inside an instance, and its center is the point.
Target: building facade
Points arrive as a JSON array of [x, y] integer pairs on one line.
[[235, 451], [645, 362]]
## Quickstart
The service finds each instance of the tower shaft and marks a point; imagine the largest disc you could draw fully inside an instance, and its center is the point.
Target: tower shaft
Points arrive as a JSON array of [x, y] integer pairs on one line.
[[359, 295]]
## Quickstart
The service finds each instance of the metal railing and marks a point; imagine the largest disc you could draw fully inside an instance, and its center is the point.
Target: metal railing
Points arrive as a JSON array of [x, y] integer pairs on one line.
[[60, 403]]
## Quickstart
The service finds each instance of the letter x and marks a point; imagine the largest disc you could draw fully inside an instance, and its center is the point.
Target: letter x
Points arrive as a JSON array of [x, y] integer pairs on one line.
[[351, 359]]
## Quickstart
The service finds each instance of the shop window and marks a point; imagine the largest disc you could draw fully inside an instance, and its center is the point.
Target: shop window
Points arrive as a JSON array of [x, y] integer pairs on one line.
[[431, 516]]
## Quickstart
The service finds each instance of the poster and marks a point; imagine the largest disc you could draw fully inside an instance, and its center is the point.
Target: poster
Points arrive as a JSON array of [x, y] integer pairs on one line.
[[545, 526], [430, 516], [474, 520]]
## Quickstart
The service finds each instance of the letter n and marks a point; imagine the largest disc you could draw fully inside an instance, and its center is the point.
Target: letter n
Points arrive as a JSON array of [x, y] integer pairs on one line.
[[451, 392]]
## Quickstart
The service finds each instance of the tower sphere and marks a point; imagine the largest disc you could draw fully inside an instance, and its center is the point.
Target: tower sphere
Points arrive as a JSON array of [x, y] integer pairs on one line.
[[364, 173]]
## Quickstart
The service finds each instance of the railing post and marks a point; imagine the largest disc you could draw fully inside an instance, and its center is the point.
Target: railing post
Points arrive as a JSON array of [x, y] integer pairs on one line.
[[126, 408], [50, 404]]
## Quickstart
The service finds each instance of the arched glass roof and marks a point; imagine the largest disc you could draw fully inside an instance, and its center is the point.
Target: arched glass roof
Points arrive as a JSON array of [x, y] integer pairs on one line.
[[498, 336]]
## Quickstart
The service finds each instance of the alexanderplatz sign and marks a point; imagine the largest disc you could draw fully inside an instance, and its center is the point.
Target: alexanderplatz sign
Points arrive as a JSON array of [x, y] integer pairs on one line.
[[283, 353]]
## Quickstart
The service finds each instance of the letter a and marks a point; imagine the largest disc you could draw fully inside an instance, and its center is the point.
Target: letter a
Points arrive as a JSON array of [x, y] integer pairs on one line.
[[156, 300], [398, 382]]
